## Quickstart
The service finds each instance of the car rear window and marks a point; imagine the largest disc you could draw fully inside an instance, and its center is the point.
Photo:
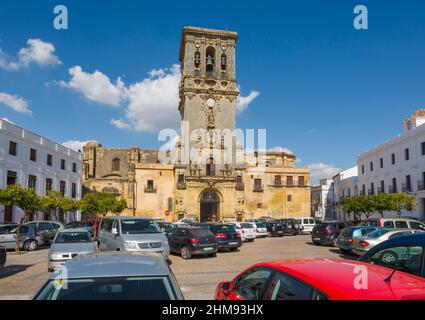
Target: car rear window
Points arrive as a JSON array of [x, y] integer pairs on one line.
[[260, 225], [347, 232], [225, 228], [201, 233], [246, 225], [377, 233], [401, 225], [311, 221]]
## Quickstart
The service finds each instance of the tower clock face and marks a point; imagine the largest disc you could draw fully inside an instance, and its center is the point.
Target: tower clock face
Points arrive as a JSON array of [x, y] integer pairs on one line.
[[210, 102]]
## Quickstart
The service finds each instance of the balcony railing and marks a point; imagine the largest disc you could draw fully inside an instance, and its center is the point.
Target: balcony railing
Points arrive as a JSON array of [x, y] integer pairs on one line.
[[421, 185], [392, 189], [370, 191], [150, 190], [406, 187], [240, 186], [258, 188], [361, 193], [381, 190]]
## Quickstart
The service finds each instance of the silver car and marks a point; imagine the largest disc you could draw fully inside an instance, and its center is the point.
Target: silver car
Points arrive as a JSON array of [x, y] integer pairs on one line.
[[29, 235], [68, 244], [113, 276], [365, 243], [132, 234]]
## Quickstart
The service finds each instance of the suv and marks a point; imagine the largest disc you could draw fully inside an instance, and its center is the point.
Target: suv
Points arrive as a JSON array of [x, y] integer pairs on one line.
[[48, 228], [190, 241], [226, 235], [290, 226], [307, 224], [132, 234], [327, 232], [274, 228], [394, 223]]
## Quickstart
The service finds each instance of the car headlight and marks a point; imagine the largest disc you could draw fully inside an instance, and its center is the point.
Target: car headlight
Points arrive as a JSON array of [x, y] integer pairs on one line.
[[165, 243], [55, 256], [130, 245]]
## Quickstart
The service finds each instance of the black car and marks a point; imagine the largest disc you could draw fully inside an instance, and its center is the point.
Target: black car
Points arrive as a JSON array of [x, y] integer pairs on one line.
[[190, 241], [274, 228], [3, 256], [326, 233], [226, 235], [404, 253], [290, 226]]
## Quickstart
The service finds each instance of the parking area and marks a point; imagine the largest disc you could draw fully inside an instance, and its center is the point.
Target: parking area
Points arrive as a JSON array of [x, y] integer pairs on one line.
[[197, 277]]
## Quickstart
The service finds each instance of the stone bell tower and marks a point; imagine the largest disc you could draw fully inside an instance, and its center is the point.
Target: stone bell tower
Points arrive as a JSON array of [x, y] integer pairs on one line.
[[208, 87]]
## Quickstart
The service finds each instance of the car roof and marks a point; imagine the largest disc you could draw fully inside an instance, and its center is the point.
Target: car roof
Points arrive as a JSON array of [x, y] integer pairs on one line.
[[365, 227], [127, 218], [116, 264], [73, 230], [337, 278]]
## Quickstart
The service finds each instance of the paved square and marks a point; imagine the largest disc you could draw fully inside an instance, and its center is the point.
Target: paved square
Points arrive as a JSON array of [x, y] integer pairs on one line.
[[198, 277]]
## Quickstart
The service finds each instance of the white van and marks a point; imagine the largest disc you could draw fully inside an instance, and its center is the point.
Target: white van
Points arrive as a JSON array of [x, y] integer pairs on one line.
[[132, 234], [306, 223]]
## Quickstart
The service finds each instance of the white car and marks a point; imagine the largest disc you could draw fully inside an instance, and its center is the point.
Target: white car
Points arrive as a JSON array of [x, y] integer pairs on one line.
[[246, 230], [260, 229], [186, 222], [306, 223]]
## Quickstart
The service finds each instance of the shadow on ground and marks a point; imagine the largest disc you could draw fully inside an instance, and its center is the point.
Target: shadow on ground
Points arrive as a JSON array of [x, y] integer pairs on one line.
[[348, 256], [13, 269]]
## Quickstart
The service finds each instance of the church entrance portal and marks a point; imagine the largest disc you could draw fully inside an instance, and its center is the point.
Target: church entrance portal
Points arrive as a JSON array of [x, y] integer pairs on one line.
[[210, 206]]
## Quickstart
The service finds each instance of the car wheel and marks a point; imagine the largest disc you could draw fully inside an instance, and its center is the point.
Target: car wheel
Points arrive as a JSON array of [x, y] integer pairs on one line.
[[388, 257], [30, 245], [185, 252], [269, 234], [316, 243], [234, 249], [344, 250], [213, 255]]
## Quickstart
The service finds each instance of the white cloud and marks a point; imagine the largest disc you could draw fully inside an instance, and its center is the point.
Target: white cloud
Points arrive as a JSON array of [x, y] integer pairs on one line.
[[120, 124], [243, 102], [281, 149], [95, 86], [322, 171], [14, 102], [75, 144], [37, 51], [153, 102]]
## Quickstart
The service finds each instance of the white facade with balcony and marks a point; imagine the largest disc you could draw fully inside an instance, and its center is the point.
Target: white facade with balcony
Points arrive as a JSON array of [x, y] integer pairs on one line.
[[50, 167], [322, 199], [398, 165], [345, 185]]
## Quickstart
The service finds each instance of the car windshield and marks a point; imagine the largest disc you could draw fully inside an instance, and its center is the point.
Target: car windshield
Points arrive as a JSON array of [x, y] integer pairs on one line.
[[225, 228], [246, 225], [118, 288], [201, 233], [139, 226], [377, 233], [73, 237]]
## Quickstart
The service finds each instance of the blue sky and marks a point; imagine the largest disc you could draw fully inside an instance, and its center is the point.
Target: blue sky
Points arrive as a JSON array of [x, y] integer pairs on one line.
[[327, 91]]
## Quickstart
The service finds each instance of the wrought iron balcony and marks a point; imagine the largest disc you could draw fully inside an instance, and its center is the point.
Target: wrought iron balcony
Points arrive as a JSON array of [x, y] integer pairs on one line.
[[361, 193], [370, 191], [421, 185], [405, 187], [381, 190], [150, 190], [392, 189], [258, 188]]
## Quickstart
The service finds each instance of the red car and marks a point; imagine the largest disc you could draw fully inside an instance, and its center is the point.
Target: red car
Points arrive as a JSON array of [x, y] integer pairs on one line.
[[321, 279]]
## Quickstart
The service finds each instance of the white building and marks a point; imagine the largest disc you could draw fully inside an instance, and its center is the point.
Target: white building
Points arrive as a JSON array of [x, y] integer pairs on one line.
[[33, 161], [345, 184], [322, 199], [398, 165]]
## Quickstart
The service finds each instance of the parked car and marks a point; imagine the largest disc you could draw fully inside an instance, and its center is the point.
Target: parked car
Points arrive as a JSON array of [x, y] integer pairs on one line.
[[3, 256], [260, 229], [68, 244], [132, 234], [394, 223], [405, 254], [88, 226], [308, 279], [226, 235], [190, 241], [113, 276], [365, 243], [187, 221], [345, 239], [274, 228], [326, 233], [48, 228], [94, 221], [30, 238], [166, 227], [290, 226], [246, 230], [307, 224]]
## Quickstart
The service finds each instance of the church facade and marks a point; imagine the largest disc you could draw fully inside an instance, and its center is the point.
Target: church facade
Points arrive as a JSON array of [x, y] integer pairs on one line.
[[207, 174]]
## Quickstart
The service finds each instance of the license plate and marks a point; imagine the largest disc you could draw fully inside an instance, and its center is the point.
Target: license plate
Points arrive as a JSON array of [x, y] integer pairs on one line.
[[231, 243], [208, 248], [280, 232], [317, 239]]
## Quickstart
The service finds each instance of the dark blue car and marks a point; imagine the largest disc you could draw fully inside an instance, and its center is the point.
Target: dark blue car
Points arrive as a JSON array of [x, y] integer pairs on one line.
[[404, 253], [345, 239]]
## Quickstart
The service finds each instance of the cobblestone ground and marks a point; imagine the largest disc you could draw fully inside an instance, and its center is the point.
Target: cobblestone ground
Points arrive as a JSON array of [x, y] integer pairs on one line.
[[198, 277]]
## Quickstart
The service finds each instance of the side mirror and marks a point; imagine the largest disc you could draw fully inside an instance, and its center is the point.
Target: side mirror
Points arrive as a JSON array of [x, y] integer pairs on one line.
[[115, 231]]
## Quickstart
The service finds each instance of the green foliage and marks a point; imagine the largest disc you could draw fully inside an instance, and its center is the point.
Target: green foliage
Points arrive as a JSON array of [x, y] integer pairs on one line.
[[102, 203], [26, 199], [400, 201]]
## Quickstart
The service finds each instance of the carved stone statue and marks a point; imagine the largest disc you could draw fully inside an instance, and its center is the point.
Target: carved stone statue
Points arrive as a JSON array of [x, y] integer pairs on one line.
[[228, 169], [211, 118]]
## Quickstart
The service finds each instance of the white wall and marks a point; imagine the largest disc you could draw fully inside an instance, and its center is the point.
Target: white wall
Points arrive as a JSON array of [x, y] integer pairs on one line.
[[22, 165]]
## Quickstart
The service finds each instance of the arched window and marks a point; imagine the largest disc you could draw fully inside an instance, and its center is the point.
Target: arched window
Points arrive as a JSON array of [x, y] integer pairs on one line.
[[197, 59], [210, 167], [210, 61], [223, 62], [116, 164]]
